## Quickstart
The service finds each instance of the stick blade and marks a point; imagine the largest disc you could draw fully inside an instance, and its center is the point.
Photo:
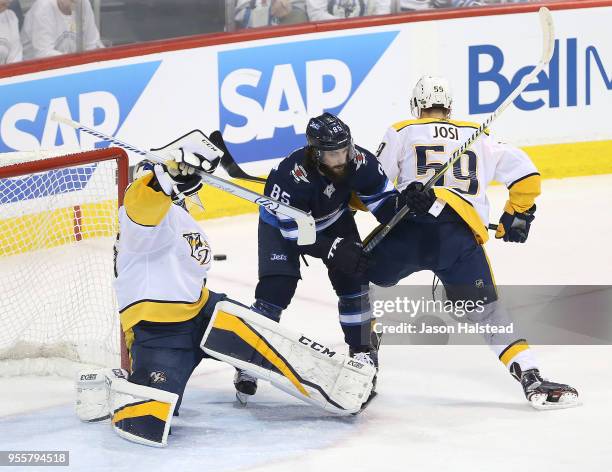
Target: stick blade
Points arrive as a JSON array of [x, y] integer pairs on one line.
[[548, 35]]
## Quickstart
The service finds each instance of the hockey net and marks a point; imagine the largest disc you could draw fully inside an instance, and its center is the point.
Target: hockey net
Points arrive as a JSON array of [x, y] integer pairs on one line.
[[58, 224]]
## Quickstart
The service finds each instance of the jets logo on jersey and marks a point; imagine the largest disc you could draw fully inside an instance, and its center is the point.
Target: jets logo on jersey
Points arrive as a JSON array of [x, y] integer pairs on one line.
[[299, 174], [200, 250], [360, 160]]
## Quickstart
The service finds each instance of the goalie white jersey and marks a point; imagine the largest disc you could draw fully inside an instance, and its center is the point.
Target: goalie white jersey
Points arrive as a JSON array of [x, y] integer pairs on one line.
[[162, 259], [414, 150]]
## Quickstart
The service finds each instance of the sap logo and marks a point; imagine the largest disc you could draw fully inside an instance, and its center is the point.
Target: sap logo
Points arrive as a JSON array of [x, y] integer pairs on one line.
[[558, 87], [316, 346], [100, 98], [267, 93]]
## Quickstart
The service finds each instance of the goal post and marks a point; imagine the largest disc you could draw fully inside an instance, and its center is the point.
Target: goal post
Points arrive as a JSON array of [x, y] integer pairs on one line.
[[58, 225]]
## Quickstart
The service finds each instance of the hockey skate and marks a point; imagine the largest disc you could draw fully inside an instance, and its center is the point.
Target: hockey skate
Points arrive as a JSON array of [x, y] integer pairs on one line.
[[369, 358], [246, 386], [542, 394]]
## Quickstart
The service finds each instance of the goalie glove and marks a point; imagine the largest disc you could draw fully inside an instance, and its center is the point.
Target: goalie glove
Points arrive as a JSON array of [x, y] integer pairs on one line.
[[188, 162], [192, 151], [175, 184], [515, 227]]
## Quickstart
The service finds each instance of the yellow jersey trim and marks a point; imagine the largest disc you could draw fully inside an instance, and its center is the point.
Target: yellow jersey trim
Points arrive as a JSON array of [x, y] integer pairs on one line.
[[144, 205], [160, 311], [466, 211], [154, 408], [229, 322], [425, 121]]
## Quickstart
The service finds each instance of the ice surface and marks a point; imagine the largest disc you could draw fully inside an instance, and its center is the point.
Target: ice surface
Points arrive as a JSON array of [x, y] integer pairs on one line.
[[439, 407]]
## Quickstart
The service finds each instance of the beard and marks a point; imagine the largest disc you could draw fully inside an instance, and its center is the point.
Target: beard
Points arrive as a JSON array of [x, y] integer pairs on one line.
[[337, 175]]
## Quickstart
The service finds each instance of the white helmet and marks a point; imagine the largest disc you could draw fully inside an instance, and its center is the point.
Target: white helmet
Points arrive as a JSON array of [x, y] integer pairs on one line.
[[430, 92]]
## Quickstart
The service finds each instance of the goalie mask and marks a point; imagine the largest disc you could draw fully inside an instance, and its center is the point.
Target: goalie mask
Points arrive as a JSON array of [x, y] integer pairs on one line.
[[431, 92], [330, 146]]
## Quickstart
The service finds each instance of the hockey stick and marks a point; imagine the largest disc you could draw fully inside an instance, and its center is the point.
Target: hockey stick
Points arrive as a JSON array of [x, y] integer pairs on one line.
[[229, 163], [306, 225], [548, 37]]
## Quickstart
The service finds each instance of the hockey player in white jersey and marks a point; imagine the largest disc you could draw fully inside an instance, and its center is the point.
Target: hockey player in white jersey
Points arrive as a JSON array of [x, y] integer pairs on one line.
[[171, 320], [447, 226]]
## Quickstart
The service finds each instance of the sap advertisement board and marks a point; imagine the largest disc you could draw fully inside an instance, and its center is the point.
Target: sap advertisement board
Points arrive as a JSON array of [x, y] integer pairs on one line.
[[261, 93]]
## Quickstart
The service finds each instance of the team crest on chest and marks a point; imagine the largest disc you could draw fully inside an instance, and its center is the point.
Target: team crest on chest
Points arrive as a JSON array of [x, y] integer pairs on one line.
[[200, 250], [329, 190], [360, 160], [299, 174]]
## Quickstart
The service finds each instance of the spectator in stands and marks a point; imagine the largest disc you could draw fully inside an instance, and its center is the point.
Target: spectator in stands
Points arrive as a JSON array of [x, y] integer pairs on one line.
[[414, 5], [255, 13], [456, 3], [10, 44], [333, 9], [15, 5], [50, 26]]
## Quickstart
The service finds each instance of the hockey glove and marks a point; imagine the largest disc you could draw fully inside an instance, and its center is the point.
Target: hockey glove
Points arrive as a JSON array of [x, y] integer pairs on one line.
[[418, 200], [515, 228], [347, 255], [188, 162], [175, 184]]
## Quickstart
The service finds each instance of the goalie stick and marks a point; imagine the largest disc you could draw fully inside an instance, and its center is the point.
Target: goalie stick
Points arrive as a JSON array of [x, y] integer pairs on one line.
[[305, 222], [548, 37], [229, 163]]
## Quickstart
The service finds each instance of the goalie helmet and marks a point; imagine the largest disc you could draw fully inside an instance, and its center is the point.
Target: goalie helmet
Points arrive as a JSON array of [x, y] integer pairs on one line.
[[431, 92]]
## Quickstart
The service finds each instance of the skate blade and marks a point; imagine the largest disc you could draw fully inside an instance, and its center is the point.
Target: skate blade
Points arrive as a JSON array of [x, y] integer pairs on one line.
[[242, 398], [567, 400]]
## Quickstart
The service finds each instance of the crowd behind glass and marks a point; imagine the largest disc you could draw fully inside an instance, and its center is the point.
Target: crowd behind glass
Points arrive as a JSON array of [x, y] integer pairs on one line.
[[31, 29]]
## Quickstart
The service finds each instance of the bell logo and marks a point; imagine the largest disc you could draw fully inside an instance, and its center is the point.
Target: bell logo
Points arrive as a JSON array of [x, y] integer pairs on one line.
[[576, 70]]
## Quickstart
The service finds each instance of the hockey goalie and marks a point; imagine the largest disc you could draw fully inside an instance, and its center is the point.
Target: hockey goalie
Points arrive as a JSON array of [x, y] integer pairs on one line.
[[171, 320]]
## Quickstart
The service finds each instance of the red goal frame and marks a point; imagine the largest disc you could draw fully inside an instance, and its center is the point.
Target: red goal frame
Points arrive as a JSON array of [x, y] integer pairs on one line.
[[70, 160]]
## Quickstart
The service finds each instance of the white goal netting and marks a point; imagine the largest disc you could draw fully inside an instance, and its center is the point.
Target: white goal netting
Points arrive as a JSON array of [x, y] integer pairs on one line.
[[57, 229]]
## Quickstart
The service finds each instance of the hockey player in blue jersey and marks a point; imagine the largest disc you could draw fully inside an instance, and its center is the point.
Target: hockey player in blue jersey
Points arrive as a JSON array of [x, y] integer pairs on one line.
[[321, 178]]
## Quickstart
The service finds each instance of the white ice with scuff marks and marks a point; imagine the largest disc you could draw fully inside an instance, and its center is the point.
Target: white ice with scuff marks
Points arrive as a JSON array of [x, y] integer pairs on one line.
[[440, 408]]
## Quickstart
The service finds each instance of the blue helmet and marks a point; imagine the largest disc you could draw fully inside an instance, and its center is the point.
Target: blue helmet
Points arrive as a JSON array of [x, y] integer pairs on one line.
[[328, 133]]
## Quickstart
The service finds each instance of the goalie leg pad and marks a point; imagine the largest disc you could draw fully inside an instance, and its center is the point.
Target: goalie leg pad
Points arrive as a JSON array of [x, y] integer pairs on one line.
[[92, 391], [292, 362], [141, 414]]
